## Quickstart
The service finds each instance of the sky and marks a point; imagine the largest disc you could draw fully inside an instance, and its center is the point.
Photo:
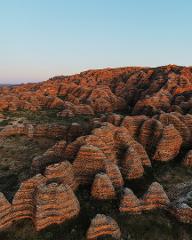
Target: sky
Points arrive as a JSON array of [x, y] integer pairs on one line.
[[43, 38]]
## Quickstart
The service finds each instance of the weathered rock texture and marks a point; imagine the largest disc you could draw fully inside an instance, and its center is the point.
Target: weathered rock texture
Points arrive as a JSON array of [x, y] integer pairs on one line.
[[62, 173], [134, 89], [6, 217], [54, 205], [130, 203], [155, 197], [41, 199], [102, 226], [102, 187], [169, 145]]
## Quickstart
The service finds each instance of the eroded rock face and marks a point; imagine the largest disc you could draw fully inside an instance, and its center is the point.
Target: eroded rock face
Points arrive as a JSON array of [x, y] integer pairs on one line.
[[41, 199], [52, 155], [113, 172], [169, 145], [155, 197], [133, 123], [6, 217], [89, 161], [130, 203], [102, 187], [179, 125], [150, 133], [23, 205], [102, 226], [153, 123], [134, 89], [132, 167], [62, 173], [54, 205]]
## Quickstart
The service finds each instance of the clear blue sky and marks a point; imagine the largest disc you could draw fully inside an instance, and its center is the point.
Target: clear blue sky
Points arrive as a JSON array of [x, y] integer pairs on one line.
[[43, 38]]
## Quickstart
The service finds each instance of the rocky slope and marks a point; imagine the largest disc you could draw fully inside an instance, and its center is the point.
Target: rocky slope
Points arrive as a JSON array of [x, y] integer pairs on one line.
[[121, 143]]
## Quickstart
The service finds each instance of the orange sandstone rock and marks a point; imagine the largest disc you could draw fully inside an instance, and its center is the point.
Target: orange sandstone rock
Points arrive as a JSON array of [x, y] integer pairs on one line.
[[102, 226], [102, 187], [155, 197], [130, 203]]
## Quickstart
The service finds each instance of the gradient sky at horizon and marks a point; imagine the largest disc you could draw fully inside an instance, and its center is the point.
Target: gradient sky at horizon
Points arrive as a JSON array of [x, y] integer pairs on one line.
[[43, 38]]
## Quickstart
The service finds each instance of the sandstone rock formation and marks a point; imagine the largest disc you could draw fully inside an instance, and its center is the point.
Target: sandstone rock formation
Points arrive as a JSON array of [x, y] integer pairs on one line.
[[102, 187], [6, 217], [62, 173], [169, 144], [133, 123], [52, 155], [42, 200], [89, 161], [155, 197], [54, 205], [102, 226], [114, 124], [23, 204], [130, 203], [132, 167], [113, 172]]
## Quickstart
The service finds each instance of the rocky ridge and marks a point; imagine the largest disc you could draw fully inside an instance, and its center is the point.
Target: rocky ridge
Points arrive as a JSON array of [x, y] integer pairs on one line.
[[140, 117]]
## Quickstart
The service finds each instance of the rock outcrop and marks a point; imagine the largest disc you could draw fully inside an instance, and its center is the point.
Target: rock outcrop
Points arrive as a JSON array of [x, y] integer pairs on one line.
[[52, 155], [169, 145], [102, 226], [155, 197], [102, 188], [130, 203], [113, 172], [89, 161], [132, 167], [6, 217], [23, 204], [42, 200], [62, 173], [54, 205]]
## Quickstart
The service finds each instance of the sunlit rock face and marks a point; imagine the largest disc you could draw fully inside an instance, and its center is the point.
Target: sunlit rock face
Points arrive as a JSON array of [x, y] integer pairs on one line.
[[133, 89], [120, 141], [169, 145]]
